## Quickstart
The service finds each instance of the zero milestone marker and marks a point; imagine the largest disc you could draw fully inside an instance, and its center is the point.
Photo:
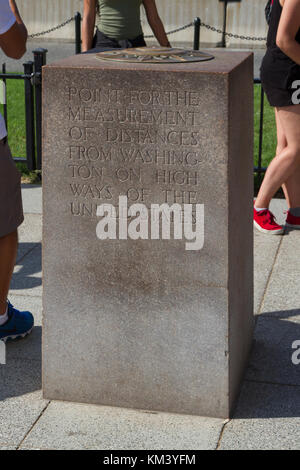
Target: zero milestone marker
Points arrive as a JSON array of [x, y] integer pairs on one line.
[[148, 239]]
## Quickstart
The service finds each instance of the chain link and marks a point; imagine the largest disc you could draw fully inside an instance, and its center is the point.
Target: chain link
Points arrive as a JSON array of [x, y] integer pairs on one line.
[[231, 35], [52, 29], [177, 30]]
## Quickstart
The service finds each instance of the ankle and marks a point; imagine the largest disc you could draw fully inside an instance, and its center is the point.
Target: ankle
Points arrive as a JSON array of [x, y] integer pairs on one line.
[[3, 307], [295, 211], [261, 204]]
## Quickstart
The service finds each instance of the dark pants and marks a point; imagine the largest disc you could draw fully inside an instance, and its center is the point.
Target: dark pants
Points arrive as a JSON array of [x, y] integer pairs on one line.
[[102, 41]]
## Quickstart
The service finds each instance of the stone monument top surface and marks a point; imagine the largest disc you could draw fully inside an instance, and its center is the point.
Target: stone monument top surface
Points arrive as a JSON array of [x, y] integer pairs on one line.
[[224, 63], [155, 55]]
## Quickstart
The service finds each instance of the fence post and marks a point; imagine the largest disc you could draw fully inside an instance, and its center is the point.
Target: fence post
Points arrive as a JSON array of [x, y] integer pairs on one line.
[[261, 131], [29, 115], [78, 33], [223, 44], [39, 60], [197, 26]]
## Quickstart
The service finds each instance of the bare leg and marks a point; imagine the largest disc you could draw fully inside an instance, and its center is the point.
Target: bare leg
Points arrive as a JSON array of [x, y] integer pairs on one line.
[[8, 253], [287, 163], [291, 187], [281, 144]]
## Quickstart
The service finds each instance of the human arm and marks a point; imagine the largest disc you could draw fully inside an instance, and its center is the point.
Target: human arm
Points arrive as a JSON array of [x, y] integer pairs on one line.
[[13, 41], [88, 23], [288, 28], [156, 23]]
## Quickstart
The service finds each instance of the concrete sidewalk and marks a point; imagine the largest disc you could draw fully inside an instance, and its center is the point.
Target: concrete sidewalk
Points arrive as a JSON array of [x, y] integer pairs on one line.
[[268, 412]]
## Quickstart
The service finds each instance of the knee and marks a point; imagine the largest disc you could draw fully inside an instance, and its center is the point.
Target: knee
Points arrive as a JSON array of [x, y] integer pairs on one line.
[[281, 144], [280, 148], [294, 153]]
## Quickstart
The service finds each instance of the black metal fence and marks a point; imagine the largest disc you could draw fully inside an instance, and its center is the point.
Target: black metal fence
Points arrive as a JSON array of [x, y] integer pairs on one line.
[[32, 78]]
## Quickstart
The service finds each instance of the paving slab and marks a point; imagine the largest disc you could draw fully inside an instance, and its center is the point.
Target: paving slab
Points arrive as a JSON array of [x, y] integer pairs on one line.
[[76, 426], [284, 288], [265, 251], [271, 357], [8, 447], [27, 277], [21, 401], [31, 228], [28, 348], [32, 198], [30, 234], [267, 418]]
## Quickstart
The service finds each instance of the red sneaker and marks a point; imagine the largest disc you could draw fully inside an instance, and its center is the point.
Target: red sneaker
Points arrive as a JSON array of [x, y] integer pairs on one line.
[[292, 220], [264, 221]]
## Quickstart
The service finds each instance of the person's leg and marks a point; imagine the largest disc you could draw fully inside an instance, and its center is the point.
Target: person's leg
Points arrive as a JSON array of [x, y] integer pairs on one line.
[[13, 323], [8, 253], [281, 138], [291, 187], [286, 164], [281, 145]]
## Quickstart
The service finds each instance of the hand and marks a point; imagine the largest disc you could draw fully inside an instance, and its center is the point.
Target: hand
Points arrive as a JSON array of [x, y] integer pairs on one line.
[[19, 20], [15, 11]]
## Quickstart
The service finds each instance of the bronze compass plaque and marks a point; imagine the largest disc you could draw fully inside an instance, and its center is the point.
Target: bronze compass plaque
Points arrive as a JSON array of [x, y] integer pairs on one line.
[[154, 55]]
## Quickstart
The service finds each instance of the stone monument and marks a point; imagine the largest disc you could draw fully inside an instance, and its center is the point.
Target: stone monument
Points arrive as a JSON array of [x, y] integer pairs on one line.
[[139, 314]]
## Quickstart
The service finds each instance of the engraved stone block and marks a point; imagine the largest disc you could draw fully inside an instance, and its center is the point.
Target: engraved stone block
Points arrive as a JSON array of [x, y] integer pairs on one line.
[[146, 323]]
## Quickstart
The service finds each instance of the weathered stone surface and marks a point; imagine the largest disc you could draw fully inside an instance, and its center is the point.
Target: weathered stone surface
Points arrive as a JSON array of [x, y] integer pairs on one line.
[[145, 323]]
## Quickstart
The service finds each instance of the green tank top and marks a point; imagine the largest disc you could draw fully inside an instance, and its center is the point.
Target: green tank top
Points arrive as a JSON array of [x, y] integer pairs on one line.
[[120, 19]]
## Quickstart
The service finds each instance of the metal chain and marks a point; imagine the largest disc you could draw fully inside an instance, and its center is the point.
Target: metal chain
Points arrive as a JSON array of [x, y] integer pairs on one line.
[[177, 30], [231, 35], [52, 29]]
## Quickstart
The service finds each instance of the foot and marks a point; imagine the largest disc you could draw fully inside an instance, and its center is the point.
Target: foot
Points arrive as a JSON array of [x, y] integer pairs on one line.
[[18, 325], [265, 222], [292, 220]]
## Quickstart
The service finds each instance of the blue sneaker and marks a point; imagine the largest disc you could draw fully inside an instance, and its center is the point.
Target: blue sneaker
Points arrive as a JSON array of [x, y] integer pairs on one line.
[[18, 325]]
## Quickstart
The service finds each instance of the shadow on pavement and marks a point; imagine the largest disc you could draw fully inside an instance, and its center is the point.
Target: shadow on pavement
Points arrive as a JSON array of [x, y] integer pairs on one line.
[[27, 266], [22, 372], [272, 384]]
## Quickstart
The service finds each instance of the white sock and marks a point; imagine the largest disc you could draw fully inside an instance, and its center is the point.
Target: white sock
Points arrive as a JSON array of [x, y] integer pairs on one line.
[[4, 318], [259, 209]]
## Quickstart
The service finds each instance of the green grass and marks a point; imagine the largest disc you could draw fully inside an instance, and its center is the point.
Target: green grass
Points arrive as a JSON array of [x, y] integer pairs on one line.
[[269, 135], [16, 124], [17, 139]]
